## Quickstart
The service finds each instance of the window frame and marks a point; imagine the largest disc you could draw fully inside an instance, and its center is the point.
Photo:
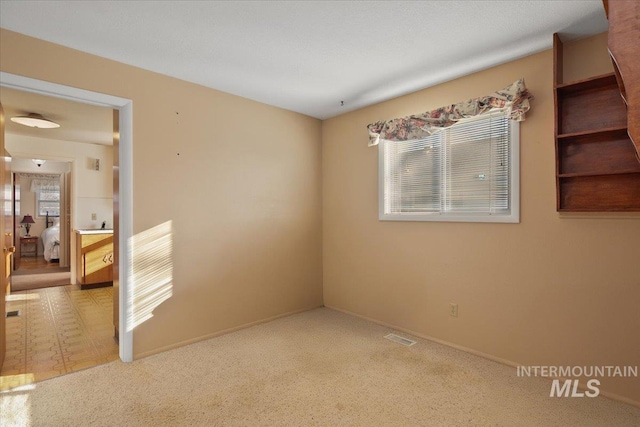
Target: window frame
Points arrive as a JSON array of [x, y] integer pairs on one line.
[[38, 200], [514, 196]]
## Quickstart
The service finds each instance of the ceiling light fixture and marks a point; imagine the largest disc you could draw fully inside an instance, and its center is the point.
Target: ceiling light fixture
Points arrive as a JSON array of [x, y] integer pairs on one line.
[[39, 162], [34, 120]]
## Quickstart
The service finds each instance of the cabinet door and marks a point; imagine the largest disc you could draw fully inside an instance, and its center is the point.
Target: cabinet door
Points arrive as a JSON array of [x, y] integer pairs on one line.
[[97, 258], [98, 265]]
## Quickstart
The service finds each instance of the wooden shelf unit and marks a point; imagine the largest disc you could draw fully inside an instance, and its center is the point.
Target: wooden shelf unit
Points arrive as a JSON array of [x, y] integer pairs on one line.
[[596, 165]]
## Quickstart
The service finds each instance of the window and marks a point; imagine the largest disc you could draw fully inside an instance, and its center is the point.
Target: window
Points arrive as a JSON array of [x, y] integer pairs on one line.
[[48, 200], [467, 172]]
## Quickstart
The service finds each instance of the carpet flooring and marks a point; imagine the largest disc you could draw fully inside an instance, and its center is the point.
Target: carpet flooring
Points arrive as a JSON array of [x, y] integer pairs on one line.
[[317, 368], [26, 282]]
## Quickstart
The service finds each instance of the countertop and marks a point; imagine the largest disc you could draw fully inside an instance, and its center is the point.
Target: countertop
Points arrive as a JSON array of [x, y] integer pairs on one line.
[[95, 231]]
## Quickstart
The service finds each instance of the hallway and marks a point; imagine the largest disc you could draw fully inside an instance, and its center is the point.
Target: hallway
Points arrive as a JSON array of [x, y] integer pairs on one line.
[[59, 330]]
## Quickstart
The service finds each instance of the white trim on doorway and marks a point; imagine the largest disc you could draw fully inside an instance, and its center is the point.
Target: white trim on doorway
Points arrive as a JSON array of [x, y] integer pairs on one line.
[[125, 106]]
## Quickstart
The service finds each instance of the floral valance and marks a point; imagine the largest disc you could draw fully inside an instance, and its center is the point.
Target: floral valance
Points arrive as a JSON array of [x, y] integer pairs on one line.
[[515, 98], [44, 184]]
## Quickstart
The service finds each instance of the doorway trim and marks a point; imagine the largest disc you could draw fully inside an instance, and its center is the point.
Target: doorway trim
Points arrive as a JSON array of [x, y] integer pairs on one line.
[[125, 107]]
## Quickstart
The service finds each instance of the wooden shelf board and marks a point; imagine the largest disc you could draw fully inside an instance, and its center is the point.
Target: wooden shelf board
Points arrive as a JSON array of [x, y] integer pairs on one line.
[[605, 193], [596, 82], [596, 155], [617, 209], [588, 174], [596, 132], [591, 110]]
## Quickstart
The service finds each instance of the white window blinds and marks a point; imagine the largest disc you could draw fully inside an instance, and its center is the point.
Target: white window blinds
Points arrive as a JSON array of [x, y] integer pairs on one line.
[[462, 170], [477, 166], [413, 179]]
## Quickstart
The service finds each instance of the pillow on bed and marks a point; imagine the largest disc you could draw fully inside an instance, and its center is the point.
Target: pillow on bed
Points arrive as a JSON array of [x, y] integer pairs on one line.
[[56, 222]]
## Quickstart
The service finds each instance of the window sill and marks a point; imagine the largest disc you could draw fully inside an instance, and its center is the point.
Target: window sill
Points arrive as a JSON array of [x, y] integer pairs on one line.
[[512, 218]]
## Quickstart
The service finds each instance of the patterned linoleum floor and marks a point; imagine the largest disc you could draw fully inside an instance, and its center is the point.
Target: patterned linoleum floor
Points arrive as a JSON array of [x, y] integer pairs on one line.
[[59, 330]]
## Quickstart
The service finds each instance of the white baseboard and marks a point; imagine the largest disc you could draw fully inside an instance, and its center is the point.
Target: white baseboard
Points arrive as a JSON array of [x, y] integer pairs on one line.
[[219, 333]]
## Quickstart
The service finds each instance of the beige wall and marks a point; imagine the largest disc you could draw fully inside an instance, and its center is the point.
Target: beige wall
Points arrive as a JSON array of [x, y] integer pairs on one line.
[[549, 291], [238, 180]]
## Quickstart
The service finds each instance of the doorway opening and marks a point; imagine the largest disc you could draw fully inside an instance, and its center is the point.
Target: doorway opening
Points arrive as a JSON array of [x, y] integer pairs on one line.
[[123, 176], [61, 323], [41, 217], [41, 222]]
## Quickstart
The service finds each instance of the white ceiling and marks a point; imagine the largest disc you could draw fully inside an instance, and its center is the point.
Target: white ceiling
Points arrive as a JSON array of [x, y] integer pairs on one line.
[[308, 56], [78, 122]]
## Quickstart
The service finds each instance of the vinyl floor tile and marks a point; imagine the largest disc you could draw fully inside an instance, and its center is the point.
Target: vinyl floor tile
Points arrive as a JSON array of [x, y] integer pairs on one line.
[[59, 330]]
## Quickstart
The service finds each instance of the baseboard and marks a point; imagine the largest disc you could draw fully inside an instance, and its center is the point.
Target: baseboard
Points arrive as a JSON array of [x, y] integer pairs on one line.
[[493, 358], [219, 333]]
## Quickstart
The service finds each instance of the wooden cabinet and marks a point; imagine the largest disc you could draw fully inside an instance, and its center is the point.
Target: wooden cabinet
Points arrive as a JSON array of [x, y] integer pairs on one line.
[[94, 259], [596, 165]]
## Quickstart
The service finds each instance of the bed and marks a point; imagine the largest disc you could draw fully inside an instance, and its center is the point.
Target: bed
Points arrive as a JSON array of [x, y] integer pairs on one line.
[[51, 240]]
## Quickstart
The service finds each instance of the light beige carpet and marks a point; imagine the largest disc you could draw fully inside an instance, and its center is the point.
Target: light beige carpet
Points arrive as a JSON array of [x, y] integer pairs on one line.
[[318, 368], [38, 281]]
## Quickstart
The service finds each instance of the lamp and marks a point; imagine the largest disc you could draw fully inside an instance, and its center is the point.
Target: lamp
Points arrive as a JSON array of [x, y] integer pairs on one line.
[[27, 220], [39, 162], [34, 120]]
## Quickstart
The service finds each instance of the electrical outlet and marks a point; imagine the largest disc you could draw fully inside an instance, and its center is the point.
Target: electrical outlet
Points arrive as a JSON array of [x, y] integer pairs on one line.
[[453, 309], [94, 217]]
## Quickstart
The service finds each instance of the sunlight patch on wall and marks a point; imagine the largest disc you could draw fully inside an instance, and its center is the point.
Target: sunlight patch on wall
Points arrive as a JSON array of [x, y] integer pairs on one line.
[[151, 282]]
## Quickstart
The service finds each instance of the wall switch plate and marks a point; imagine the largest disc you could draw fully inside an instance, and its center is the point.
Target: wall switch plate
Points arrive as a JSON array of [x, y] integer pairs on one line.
[[453, 310], [94, 217]]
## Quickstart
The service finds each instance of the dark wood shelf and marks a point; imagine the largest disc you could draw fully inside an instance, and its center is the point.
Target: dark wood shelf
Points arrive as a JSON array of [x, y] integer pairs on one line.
[[595, 210], [600, 193], [597, 153], [591, 134], [583, 174], [596, 165], [590, 111], [592, 83]]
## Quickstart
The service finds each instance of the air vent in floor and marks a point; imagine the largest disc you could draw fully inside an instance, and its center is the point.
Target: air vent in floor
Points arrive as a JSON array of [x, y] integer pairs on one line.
[[400, 340]]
